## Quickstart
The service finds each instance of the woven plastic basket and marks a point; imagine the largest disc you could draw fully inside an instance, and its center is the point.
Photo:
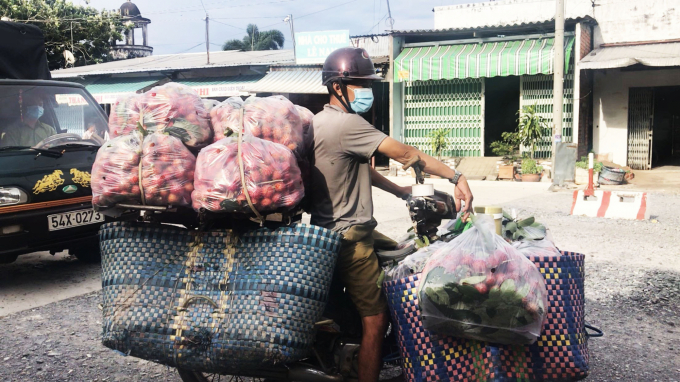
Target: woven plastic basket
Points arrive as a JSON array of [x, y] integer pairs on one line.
[[214, 301], [561, 353]]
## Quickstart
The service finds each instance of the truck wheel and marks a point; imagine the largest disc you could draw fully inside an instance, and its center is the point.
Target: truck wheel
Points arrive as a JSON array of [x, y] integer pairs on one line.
[[6, 259], [87, 253]]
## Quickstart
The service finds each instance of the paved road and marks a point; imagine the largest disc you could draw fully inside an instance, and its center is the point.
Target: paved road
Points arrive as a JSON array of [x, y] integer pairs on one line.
[[632, 292]]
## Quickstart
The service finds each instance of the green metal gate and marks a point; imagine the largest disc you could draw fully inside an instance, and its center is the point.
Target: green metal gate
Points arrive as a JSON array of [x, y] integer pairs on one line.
[[538, 90], [456, 105]]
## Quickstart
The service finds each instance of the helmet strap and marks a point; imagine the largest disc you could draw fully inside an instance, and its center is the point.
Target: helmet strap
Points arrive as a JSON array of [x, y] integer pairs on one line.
[[344, 100]]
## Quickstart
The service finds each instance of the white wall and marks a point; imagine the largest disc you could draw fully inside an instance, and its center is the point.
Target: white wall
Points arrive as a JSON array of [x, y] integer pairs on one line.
[[610, 107], [618, 20]]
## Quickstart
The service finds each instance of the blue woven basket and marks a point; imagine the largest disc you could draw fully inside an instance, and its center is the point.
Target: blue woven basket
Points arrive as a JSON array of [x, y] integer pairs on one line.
[[214, 301], [561, 353]]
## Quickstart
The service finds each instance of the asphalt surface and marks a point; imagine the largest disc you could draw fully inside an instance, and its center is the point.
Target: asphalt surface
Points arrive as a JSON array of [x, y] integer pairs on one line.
[[632, 294]]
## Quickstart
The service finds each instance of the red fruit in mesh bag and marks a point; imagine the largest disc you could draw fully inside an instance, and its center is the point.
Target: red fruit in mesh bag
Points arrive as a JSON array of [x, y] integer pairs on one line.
[[260, 159], [112, 181], [124, 115], [482, 288], [177, 110]]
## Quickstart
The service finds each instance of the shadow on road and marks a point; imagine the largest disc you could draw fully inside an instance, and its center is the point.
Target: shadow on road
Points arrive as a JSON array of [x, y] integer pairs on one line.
[[40, 278]]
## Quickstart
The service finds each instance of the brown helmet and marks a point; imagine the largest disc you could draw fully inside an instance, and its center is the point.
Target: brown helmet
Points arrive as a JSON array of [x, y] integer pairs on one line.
[[348, 64]]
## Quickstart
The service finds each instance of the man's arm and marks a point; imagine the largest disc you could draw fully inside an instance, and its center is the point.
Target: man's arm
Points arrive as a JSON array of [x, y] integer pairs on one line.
[[386, 185], [400, 152]]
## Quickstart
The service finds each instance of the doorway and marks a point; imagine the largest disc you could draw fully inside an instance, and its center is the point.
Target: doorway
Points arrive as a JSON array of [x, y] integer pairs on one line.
[[500, 109], [666, 130]]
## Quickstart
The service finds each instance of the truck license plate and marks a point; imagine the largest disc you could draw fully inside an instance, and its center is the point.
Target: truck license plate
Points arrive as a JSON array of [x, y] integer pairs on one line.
[[73, 219]]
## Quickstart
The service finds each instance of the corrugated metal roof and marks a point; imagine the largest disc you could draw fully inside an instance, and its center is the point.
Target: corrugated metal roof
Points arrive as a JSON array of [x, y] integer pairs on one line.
[[301, 81], [121, 84], [221, 86], [180, 61], [376, 45], [667, 54], [548, 23], [208, 81]]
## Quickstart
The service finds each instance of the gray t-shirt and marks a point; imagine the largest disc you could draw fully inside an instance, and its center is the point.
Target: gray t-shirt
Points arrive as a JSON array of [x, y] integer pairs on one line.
[[341, 180]]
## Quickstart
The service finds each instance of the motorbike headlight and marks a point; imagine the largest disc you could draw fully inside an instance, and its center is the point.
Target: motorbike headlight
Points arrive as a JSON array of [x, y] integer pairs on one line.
[[12, 195]]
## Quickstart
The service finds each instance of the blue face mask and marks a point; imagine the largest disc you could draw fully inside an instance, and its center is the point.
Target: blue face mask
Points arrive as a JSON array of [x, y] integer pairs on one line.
[[363, 100], [34, 112]]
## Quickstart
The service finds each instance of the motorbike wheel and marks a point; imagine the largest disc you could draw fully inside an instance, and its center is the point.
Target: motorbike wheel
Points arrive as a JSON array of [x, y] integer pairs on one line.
[[6, 259], [87, 252], [197, 376]]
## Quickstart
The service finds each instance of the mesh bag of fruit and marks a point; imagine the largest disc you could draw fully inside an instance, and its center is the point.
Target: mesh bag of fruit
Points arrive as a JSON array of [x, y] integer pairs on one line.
[[274, 119], [167, 171], [479, 287], [124, 116], [177, 110], [156, 170], [306, 116], [224, 115], [115, 174], [268, 170]]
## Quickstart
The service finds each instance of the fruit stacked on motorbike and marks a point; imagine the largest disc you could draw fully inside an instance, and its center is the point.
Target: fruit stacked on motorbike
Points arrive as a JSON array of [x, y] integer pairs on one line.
[[172, 149]]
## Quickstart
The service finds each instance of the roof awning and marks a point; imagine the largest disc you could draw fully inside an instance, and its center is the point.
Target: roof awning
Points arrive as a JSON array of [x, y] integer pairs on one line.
[[667, 54], [487, 59], [290, 81], [222, 86], [107, 90]]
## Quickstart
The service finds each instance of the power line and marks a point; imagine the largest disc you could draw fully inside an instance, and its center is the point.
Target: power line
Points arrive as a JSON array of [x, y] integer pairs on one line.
[[229, 25]]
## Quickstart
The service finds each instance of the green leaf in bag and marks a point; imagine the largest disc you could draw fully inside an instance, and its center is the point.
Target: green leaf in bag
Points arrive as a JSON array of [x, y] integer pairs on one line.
[[473, 280]]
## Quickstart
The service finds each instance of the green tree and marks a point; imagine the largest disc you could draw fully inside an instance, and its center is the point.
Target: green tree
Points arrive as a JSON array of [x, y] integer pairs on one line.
[[256, 40], [59, 20], [530, 126], [438, 142]]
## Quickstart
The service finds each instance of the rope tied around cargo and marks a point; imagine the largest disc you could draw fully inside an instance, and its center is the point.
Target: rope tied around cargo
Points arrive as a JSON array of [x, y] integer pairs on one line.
[[259, 218]]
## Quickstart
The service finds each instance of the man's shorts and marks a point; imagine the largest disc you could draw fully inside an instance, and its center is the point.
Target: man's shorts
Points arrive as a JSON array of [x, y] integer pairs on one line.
[[359, 271]]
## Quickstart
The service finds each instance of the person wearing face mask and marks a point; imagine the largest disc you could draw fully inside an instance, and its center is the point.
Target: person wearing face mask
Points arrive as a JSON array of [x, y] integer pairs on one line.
[[29, 130], [341, 190]]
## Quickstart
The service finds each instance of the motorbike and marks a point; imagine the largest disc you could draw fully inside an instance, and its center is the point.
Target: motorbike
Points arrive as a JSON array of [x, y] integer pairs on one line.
[[334, 355]]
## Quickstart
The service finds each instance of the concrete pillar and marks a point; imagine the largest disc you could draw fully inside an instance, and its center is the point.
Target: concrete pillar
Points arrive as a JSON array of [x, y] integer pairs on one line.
[[396, 92], [144, 37], [129, 37]]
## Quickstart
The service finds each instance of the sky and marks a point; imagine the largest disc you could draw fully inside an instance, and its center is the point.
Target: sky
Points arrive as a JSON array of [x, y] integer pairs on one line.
[[178, 26]]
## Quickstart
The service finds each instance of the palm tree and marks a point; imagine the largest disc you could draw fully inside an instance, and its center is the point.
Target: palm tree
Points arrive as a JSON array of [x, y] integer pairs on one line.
[[256, 40]]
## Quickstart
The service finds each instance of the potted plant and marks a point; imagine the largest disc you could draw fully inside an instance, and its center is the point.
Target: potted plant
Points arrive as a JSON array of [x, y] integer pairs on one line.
[[581, 173], [439, 143], [531, 172], [530, 127], [507, 148]]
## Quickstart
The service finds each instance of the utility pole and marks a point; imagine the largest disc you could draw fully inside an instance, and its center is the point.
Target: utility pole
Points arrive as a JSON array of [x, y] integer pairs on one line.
[[207, 37], [289, 20], [389, 13], [558, 84]]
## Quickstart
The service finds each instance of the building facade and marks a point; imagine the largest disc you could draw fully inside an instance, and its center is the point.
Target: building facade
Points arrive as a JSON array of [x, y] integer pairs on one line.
[[626, 71]]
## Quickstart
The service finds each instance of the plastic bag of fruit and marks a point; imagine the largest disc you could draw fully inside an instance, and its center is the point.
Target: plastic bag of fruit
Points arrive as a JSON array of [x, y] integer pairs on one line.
[[306, 116], [177, 110], [225, 117], [124, 116], [479, 287], [274, 119], [543, 247], [413, 263], [270, 174], [115, 172], [167, 171]]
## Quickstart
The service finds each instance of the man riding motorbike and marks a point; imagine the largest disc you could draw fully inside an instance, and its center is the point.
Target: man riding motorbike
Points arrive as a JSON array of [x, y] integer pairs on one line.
[[341, 190]]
